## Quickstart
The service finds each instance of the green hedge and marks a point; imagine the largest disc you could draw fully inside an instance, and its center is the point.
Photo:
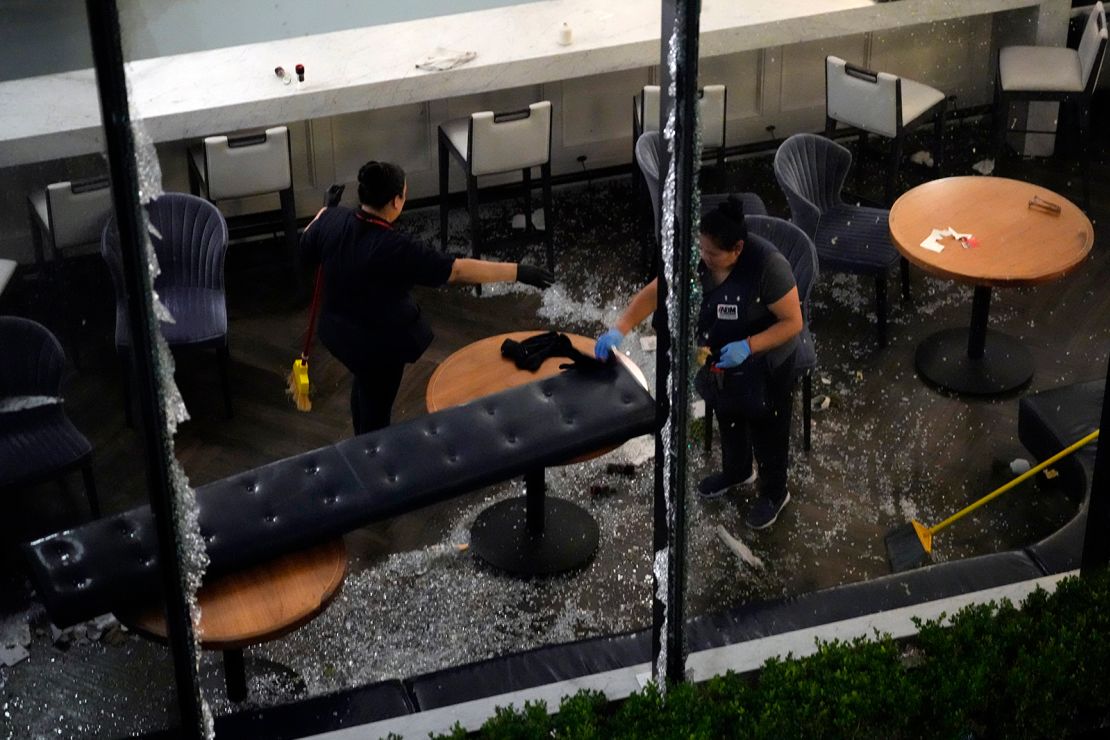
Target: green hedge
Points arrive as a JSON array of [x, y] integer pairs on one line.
[[992, 671]]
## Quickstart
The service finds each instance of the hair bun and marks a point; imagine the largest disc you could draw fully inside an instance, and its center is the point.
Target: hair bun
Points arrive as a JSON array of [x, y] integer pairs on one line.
[[733, 207]]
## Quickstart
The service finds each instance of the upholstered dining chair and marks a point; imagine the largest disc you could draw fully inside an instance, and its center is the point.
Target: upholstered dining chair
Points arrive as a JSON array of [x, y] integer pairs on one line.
[[190, 250], [882, 104], [648, 156], [1054, 74], [488, 143], [797, 247], [811, 171], [38, 442]]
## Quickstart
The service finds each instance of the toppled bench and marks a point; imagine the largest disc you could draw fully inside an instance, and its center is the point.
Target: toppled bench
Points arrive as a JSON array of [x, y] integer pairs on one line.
[[254, 516]]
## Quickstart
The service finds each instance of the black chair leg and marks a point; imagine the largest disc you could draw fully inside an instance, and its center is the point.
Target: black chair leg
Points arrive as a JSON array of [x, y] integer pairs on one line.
[[938, 135], [289, 222], [444, 163], [892, 170], [223, 358], [807, 408], [529, 227], [125, 383], [1084, 111], [880, 306], [708, 436], [548, 216], [90, 488], [905, 267], [1001, 113], [475, 222]]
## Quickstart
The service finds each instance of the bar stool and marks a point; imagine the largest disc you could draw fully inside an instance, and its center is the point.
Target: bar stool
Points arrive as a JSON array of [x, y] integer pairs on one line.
[[242, 165], [66, 220], [489, 143], [1053, 73], [883, 104], [712, 104]]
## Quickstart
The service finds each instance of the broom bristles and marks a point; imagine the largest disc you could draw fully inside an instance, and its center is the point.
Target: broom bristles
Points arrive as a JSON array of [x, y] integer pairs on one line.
[[299, 386]]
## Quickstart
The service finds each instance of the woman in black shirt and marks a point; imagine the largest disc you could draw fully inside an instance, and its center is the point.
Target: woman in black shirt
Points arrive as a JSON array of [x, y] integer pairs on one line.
[[368, 319], [748, 326]]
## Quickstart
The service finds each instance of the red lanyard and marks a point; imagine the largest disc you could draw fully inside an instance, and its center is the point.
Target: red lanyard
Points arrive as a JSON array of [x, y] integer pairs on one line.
[[366, 218]]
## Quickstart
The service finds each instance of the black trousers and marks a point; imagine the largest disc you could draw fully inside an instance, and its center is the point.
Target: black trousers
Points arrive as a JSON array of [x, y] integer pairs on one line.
[[373, 391], [767, 437]]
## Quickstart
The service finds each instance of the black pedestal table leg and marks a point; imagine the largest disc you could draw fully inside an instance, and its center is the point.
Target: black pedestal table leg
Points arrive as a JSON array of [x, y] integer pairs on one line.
[[535, 491], [980, 312], [235, 675]]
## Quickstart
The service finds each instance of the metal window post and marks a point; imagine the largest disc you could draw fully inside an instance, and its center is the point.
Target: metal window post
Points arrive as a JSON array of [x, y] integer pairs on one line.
[[1096, 545], [672, 396], [104, 30]]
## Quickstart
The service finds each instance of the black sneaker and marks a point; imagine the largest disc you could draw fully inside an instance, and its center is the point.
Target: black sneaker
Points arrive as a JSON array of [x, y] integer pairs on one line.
[[764, 512], [716, 484]]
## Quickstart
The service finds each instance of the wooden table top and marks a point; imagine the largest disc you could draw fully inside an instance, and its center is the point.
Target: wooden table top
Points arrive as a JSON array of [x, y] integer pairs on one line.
[[478, 370], [260, 603], [1017, 245]]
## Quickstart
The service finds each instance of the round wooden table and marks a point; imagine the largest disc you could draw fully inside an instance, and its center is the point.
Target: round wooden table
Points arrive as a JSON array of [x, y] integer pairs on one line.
[[257, 605], [1019, 242], [534, 534]]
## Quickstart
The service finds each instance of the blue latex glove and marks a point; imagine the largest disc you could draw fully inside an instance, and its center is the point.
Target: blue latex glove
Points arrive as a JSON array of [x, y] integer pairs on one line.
[[607, 342], [733, 354]]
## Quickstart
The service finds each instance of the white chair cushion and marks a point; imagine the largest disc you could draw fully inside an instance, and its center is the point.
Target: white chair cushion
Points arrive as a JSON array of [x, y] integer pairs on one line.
[[239, 171], [457, 131], [71, 220], [711, 108], [917, 99], [649, 108], [505, 145], [1039, 69], [7, 269], [1094, 37], [867, 104]]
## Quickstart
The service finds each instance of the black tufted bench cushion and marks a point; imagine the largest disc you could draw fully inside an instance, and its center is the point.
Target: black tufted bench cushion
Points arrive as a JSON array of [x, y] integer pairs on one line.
[[306, 499]]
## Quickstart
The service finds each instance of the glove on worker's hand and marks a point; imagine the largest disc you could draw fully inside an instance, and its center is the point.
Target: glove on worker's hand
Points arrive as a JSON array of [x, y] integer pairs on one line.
[[608, 342], [535, 276], [333, 196], [733, 354]]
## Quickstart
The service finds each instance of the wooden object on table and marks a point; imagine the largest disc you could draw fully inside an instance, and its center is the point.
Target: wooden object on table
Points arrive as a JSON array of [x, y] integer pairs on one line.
[[257, 605], [1017, 245]]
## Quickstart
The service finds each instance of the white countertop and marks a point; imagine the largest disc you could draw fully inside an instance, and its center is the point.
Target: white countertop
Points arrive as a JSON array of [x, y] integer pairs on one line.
[[207, 92]]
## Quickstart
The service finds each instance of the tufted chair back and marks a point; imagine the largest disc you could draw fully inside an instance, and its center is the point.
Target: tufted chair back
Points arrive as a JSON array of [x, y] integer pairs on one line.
[[811, 171], [31, 360], [191, 245]]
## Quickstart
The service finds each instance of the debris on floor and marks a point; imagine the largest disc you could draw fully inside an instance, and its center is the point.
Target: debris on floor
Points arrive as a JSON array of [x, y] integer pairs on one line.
[[639, 450], [647, 344], [984, 166], [821, 403], [922, 157], [741, 550]]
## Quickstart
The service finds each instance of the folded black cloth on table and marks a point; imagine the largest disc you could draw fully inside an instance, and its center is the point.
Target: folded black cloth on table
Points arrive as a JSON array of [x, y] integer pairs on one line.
[[531, 353]]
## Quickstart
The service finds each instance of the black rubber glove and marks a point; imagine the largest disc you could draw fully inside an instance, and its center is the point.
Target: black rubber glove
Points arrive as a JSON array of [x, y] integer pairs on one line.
[[333, 196], [536, 276]]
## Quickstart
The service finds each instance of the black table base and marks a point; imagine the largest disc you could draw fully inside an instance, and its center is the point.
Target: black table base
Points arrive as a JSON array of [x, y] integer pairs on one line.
[[534, 535], [943, 360], [236, 666]]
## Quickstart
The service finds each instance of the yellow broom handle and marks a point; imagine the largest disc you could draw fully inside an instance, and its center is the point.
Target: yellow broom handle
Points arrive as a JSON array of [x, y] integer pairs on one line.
[[1024, 476]]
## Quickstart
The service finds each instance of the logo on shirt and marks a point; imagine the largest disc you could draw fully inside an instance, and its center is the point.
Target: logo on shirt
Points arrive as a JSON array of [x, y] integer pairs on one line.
[[728, 312]]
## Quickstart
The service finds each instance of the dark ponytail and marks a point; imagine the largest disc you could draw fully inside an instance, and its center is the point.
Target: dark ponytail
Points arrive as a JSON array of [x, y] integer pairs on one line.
[[725, 224], [379, 183]]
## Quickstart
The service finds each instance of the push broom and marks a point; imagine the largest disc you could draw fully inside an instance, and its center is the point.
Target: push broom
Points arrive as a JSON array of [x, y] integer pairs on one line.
[[909, 545], [299, 386]]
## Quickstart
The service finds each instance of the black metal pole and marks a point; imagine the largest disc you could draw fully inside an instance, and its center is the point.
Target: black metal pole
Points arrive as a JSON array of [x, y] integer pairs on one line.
[[104, 30], [1096, 545], [673, 368]]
